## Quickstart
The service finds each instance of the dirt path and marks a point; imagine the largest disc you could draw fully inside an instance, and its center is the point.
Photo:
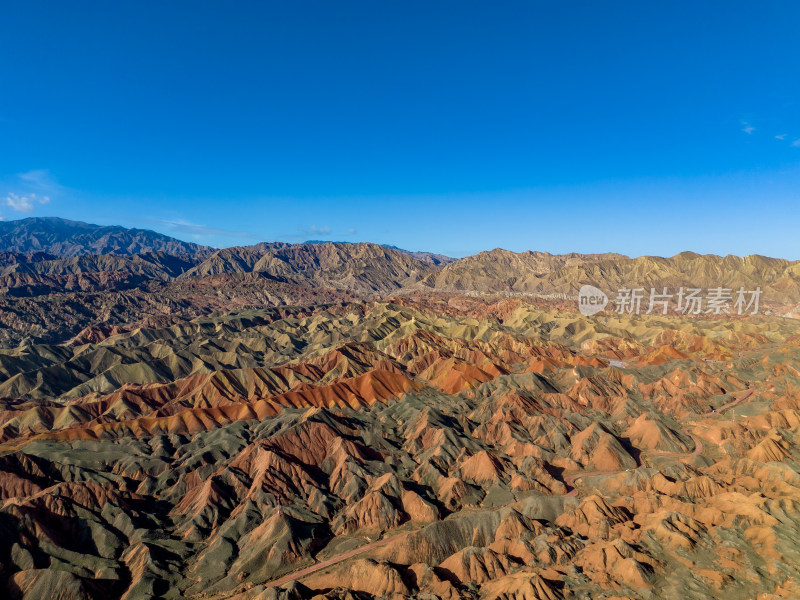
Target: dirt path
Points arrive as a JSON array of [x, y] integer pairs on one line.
[[569, 481], [733, 403], [332, 561], [698, 446]]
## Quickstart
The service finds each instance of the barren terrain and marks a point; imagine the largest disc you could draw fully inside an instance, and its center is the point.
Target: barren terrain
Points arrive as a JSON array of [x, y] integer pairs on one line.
[[353, 421]]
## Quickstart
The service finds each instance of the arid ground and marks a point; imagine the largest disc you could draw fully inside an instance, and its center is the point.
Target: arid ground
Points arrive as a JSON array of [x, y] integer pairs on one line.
[[351, 421]]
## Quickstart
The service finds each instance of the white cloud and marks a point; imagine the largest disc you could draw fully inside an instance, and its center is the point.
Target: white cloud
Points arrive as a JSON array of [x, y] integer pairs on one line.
[[351, 231], [780, 137], [199, 232], [40, 178], [25, 203], [796, 143], [748, 129], [25, 191], [323, 230]]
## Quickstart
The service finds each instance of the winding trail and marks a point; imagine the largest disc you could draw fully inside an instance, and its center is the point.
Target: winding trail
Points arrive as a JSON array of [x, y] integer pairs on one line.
[[698, 445], [750, 392], [332, 561], [569, 481]]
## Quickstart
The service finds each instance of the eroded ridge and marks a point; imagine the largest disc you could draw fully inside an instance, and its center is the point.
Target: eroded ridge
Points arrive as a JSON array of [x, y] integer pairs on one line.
[[404, 448]]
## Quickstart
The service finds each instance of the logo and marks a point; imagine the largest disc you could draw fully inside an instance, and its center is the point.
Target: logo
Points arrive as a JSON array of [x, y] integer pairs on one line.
[[591, 300], [686, 301]]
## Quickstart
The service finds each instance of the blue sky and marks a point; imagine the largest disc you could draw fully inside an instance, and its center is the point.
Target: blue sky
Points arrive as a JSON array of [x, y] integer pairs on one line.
[[635, 127]]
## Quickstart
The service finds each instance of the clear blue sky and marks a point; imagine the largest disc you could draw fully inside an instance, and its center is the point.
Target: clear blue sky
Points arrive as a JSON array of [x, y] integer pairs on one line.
[[636, 127]]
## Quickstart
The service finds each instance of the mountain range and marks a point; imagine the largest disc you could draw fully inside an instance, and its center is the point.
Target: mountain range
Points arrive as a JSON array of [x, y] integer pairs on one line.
[[44, 253], [65, 238], [351, 421]]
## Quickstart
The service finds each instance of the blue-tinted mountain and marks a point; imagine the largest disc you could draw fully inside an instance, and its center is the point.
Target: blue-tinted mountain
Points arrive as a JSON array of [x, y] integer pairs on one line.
[[65, 238]]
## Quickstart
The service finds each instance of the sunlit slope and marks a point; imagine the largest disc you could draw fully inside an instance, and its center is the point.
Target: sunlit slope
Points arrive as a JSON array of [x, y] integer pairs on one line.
[[492, 449], [534, 273]]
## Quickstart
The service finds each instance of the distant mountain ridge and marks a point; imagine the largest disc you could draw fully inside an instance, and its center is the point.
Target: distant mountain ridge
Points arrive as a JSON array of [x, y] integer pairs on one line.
[[362, 267], [65, 238], [49, 255], [540, 273], [155, 265], [427, 257]]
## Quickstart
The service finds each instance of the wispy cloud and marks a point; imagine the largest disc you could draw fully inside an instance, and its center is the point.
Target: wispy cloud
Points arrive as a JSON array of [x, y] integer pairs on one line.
[[317, 232], [747, 128], [783, 137], [197, 231], [25, 191], [39, 178], [324, 230], [25, 203]]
